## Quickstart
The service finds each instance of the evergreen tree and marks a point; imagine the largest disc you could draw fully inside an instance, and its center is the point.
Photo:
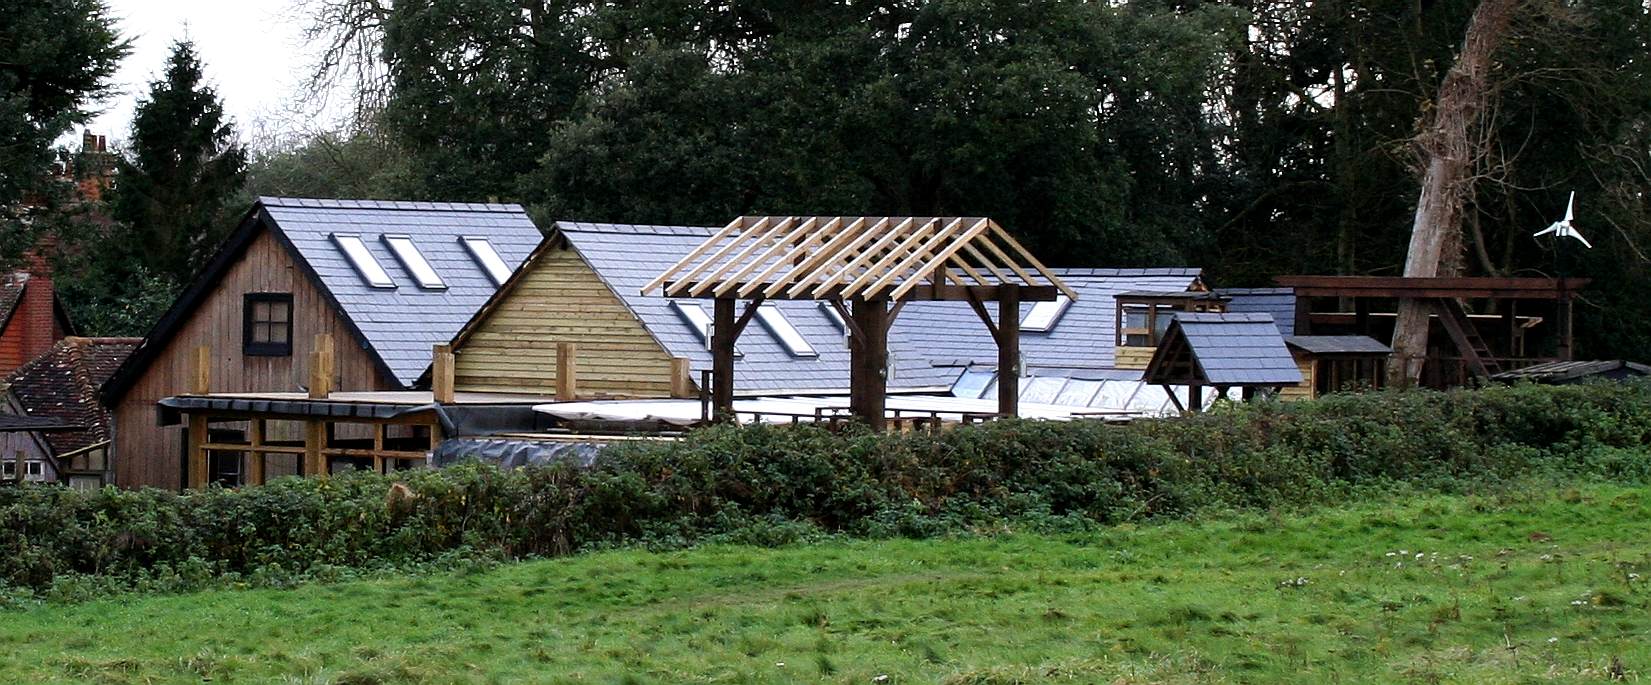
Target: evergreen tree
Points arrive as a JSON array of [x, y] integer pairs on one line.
[[56, 57], [181, 181]]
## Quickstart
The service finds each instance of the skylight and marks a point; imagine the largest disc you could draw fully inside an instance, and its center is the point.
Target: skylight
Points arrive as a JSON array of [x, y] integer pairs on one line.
[[484, 254], [837, 319], [696, 318], [1043, 316], [773, 319], [363, 260], [414, 262]]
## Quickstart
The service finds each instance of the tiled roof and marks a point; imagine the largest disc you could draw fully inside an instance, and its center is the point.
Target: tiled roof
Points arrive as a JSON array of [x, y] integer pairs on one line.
[[1337, 344], [11, 292], [402, 323], [1237, 349], [63, 385], [14, 423], [627, 257], [1279, 302], [1083, 337]]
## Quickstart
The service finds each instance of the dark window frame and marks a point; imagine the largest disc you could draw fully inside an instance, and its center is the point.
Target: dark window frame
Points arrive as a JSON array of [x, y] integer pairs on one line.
[[264, 349]]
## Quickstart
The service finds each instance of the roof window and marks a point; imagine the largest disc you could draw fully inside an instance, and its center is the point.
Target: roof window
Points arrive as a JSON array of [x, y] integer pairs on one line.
[[363, 260], [482, 251], [774, 320], [696, 318], [1043, 316], [415, 263]]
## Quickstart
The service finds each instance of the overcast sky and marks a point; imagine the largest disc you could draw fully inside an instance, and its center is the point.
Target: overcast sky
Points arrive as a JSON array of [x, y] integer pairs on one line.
[[250, 48]]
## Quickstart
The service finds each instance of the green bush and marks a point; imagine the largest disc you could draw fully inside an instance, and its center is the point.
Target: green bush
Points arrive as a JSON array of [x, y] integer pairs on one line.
[[771, 485]]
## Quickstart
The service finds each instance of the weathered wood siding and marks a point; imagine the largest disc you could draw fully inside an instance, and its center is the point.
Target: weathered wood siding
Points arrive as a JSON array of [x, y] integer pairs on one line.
[[1132, 357], [1307, 389], [560, 299], [146, 454]]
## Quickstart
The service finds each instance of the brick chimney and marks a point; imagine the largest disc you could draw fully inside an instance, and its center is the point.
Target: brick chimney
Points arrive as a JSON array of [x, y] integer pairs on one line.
[[37, 311]]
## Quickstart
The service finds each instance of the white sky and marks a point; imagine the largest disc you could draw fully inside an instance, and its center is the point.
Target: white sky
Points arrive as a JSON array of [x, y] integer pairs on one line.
[[251, 51]]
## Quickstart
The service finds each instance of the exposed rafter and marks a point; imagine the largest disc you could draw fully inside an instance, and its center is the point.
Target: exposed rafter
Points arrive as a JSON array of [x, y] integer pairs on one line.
[[870, 258]]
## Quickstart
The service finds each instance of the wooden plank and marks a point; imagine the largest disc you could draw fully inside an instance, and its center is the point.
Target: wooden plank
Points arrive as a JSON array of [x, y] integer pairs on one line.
[[859, 260], [945, 254], [315, 440], [878, 267], [986, 262], [752, 241], [567, 371], [820, 261], [1033, 260], [910, 262], [682, 385], [441, 374], [736, 279], [321, 367], [792, 258], [200, 378], [734, 241], [693, 254]]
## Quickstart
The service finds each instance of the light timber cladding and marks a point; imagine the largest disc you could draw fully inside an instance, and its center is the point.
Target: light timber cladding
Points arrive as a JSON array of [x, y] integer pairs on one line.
[[559, 299], [150, 454]]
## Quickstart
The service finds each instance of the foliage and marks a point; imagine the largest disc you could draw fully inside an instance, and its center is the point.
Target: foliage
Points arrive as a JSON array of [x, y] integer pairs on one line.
[[56, 58], [1532, 584], [763, 482], [363, 164], [181, 181]]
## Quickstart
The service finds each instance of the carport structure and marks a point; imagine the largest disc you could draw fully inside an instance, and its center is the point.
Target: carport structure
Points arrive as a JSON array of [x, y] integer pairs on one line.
[[867, 268]]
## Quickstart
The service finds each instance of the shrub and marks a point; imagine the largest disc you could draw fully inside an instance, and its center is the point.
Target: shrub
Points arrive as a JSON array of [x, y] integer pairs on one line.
[[772, 485]]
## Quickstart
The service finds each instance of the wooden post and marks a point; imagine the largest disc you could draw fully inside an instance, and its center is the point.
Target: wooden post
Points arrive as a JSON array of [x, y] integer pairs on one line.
[[722, 359], [1008, 350], [378, 448], [1195, 397], [200, 373], [436, 436], [441, 374], [567, 371], [197, 453], [1565, 330], [321, 367], [255, 458], [868, 365], [682, 387], [315, 439]]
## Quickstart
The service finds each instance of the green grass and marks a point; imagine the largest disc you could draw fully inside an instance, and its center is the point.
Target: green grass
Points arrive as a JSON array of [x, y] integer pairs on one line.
[[1534, 587]]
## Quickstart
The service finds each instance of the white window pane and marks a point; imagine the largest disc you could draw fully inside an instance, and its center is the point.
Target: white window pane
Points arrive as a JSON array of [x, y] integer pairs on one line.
[[484, 254], [414, 261], [774, 320], [1044, 314], [363, 261], [696, 318]]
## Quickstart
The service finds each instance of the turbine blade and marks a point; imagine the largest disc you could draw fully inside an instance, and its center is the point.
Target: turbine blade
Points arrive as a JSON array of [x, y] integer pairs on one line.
[[1550, 229], [1570, 205], [1585, 242]]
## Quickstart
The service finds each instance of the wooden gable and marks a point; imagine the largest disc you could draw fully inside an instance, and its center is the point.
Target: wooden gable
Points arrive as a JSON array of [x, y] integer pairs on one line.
[[556, 297]]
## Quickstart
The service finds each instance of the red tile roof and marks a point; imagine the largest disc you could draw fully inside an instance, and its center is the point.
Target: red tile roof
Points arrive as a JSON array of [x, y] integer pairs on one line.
[[11, 292], [63, 384]]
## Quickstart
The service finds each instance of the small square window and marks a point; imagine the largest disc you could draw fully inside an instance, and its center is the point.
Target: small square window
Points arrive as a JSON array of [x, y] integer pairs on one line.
[[267, 325], [35, 469]]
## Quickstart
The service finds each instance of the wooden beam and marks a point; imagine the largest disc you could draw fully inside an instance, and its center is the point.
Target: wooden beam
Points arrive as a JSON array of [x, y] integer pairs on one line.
[[567, 372], [751, 241], [859, 260], [868, 363], [200, 371], [256, 458], [820, 261], [682, 385], [985, 316], [441, 374], [1477, 287], [848, 319], [986, 262], [942, 293], [793, 257], [1008, 351], [197, 452], [733, 280], [945, 253], [321, 367], [378, 448], [723, 336], [879, 268], [693, 254], [315, 440], [1033, 260]]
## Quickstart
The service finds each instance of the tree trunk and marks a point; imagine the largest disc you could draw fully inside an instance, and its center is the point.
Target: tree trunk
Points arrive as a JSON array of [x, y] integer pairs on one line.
[[1447, 149]]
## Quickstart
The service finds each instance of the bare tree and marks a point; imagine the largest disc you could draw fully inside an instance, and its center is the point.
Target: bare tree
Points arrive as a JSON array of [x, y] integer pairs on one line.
[[349, 37], [1448, 150]]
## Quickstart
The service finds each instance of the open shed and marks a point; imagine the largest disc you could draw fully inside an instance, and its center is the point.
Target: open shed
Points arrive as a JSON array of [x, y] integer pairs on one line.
[[1223, 351]]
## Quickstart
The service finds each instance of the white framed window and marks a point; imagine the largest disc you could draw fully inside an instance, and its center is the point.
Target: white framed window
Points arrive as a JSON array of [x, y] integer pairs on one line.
[[35, 469], [365, 264], [1044, 315], [9, 469], [407, 253], [481, 250], [699, 321], [774, 320], [836, 319]]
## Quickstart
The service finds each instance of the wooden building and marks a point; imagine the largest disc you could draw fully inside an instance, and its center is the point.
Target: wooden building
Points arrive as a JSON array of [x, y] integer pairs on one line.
[[382, 282], [1223, 352]]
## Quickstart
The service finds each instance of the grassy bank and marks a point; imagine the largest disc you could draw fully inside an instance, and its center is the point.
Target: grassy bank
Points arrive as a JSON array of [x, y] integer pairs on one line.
[[1545, 586]]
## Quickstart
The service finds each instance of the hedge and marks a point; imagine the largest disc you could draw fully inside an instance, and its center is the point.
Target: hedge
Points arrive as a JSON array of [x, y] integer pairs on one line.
[[768, 484]]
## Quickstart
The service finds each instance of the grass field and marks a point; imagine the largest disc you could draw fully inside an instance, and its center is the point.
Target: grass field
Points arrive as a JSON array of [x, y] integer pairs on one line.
[[1535, 587]]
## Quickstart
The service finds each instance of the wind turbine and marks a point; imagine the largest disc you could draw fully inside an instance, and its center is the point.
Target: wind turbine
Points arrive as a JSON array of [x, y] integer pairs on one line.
[[1563, 227]]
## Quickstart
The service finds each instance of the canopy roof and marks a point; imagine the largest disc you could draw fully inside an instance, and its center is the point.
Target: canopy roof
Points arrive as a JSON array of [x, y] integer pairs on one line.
[[1237, 350], [867, 257]]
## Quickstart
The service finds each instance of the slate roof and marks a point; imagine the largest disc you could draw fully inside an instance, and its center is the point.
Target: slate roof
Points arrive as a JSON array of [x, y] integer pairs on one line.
[[1235, 349], [401, 324], [1562, 372], [1278, 302], [627, 256], [1337, 344], [1083, 337], [62, 386]]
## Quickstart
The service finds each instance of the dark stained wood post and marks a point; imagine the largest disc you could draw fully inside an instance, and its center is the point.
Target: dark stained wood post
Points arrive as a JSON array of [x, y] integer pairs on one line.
[[722, 359], [868, 365], [1008, 349], [1195, 397], [1565, 330]]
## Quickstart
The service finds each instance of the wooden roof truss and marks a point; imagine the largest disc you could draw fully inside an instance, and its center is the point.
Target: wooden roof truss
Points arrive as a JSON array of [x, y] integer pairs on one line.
[[867, 258]]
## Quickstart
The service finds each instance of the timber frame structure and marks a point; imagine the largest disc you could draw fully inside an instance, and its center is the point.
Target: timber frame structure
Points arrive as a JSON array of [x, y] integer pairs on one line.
[[1444, 297], [866, 268]]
